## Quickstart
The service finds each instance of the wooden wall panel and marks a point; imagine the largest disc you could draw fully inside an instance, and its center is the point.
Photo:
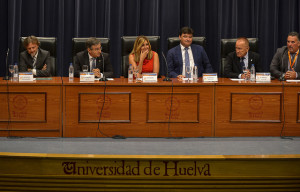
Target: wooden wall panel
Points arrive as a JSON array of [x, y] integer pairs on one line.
[[35, 108], [24, 107], [231, 108], [256, 107], [291, 109], [177, 107], [115, 107]]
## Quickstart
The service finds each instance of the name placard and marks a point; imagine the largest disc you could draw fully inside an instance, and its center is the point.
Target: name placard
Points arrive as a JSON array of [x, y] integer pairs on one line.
[[87, 76], [25, 76], [149, 77], [210, 77], [263, 77]]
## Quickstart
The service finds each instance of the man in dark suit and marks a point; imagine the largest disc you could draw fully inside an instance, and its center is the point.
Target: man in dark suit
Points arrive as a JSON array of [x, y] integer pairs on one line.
[[34, 59], [187, 54], [92, 57], [241, 57], [285, 63]]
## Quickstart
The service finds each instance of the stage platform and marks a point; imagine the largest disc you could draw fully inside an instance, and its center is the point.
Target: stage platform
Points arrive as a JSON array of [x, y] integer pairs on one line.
[[153, 146], [231, 164]]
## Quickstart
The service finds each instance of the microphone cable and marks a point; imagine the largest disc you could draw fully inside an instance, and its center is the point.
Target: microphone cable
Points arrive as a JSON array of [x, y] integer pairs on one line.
[[100, 115], [8, 109], [170, 114]]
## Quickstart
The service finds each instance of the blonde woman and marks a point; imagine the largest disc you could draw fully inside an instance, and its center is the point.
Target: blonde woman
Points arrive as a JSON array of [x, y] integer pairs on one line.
[[142, 53]]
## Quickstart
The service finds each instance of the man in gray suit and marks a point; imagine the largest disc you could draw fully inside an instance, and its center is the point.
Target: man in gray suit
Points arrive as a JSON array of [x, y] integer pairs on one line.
[[285, 63], [34, 58]]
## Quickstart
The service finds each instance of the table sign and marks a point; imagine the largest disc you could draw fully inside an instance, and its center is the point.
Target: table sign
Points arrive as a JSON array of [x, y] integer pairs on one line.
[[87, 76], [25, 76], [149, 77], [210, 77], [263, 77]]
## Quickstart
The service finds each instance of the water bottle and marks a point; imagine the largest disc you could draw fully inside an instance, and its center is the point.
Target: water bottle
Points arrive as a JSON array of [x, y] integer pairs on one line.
[[16, 72], [130, 73], [252, 72], [71, 72]]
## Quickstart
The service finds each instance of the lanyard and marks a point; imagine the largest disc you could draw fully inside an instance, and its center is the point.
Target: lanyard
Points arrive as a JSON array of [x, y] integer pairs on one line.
[[292, 64]]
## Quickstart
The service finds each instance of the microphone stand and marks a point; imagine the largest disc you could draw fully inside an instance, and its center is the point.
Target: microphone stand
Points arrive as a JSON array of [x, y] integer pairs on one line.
[[6, 77], [167, 76], [103, 77], [282, 78]]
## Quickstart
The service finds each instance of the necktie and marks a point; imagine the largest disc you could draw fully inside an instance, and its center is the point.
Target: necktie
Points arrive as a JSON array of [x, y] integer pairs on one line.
[[93, 64], [292, 59], [187, 60], [242, 63], [33, 62]]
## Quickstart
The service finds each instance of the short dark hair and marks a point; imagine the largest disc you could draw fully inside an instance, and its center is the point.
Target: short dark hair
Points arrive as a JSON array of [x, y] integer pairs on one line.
[[186, 30], [92, 41], [31, 39], [294, 33]]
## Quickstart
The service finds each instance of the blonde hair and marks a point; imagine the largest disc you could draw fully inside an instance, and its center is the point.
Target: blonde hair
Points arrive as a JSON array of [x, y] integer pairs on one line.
[[136, 51]]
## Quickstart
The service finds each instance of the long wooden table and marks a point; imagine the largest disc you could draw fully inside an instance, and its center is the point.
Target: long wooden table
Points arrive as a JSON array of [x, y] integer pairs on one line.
[[164, 109], [31, 109], [158, 109]]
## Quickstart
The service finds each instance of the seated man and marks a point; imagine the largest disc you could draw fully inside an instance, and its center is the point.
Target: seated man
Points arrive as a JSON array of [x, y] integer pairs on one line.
[[187, 54], [92, 57], [285, 63], [34, 58], [239, 58]]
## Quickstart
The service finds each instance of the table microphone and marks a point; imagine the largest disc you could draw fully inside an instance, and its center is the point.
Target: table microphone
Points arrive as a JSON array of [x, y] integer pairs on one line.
[[167, 76], [282, 78], [103, 77], [6, 77]]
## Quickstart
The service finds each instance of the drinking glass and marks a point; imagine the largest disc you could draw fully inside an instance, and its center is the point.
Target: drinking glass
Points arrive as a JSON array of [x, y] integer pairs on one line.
[[85, 68], [188, 70], [195, 73], [137, 76], [245, 71], [11, 70]]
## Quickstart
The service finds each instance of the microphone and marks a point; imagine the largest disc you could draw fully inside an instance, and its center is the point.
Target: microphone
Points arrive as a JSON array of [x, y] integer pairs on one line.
[[282, 78], [103, 77], [6, 77], [167, 76]]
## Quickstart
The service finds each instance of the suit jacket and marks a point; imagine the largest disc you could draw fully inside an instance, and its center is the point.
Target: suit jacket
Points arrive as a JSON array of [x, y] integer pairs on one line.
[[233, 68], [82, 58], [175, 62], [280, 63], [42, 59]]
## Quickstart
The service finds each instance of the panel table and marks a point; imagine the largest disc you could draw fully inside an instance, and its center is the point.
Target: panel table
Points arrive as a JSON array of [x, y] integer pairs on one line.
[[248, 108], [31, 109], [162, 109]]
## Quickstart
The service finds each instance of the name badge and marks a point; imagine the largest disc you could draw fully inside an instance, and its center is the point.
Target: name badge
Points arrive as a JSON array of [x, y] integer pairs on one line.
[[87, 76], [263, 77], [210, 77], [149, 77], [25, 76]]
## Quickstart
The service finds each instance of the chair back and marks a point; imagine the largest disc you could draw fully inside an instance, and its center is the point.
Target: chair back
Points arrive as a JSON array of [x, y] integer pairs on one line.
[[228, 46], [127, 46], [48, 44], [174, 41]]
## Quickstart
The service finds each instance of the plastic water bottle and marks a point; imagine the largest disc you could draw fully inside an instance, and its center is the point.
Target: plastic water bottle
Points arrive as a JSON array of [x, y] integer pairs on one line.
[[71, 72], [16, 72], [252, 72], [130, 73]]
